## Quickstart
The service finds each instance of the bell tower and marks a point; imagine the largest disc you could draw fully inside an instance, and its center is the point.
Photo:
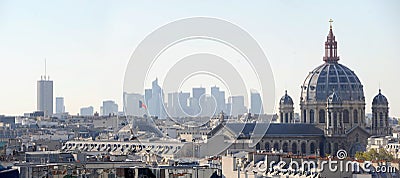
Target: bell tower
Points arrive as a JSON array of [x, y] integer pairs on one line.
[[380, 116], [331, 47]]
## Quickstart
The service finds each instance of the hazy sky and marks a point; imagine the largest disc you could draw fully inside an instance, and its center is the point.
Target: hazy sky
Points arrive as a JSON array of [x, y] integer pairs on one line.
[[88, 44]]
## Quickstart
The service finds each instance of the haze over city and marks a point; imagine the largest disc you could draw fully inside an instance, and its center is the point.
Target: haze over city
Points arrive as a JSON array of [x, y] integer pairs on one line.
[[88, 46], [199, 89]]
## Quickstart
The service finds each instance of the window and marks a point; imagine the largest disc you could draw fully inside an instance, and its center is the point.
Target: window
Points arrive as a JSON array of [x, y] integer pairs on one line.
[[276, 147], [304, 116], [311, 116], [312, 148], [336, 147], [321, 116], [303, 148], [267, 146], [285, 147], [294, 148], [355, 116], [329, 148], [334, 119], [346, 117], [287, 118]]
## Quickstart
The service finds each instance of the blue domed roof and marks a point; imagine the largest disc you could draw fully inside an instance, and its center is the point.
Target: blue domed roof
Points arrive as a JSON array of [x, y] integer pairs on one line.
[[286, 99], [330, 76], [380, 99]]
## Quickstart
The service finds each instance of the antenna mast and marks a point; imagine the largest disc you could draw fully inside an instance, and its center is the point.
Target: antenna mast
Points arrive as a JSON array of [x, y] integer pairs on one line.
[[45, 69]]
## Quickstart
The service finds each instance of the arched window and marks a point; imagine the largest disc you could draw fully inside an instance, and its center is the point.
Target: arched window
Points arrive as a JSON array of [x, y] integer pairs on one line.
[[321, 116], [258, 146], [276, 146], [330, 118], [381, 119], [267, 146], [287, 118], [281, 118], [386, 119], [304, 116], [355, 116], [336, 148], [312, 148], [346, 116], [311, 116], [285, 147], [294, 148], [303, 148], [329, 148], [335, 119]]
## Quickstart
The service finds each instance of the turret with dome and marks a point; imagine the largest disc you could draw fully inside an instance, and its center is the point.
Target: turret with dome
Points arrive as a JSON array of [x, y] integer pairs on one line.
[[286, 109], [380, 115]]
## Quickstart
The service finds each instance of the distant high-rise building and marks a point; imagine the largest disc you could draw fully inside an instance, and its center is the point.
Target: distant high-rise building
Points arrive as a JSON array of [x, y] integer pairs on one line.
[[208, 106], [237, 105], [219, 97], [60, 108], [198, 92], [178, 104], [131, 104], [195, 103], [256, 106], [147, 96], [45, 95], [87, 111], [155, 103], [109, 108]]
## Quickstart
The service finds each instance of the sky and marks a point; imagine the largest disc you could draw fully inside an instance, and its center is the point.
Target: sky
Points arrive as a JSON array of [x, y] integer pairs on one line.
[[87, 44]]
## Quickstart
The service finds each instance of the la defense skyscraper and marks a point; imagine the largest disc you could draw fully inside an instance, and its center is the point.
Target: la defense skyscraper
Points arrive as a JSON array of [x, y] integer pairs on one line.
[[45, 95]]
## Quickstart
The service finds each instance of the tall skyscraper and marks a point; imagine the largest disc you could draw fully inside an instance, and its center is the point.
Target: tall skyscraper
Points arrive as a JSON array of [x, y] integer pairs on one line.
[[237, 105], [178, 104], [131, 104], [60, 108], [87, 111], [156, 102], [147, 96], [109, 108], [219, 99], [198, 92], [196, 101], [256, 106], [45, 95]]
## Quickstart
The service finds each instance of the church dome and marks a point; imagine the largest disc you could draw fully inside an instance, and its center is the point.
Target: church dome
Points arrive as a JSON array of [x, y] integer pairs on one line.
[[380, 99], [332, 76], [286, 100]]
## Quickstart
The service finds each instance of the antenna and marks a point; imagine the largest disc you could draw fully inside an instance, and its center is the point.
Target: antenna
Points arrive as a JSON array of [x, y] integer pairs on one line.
[[45, 68]]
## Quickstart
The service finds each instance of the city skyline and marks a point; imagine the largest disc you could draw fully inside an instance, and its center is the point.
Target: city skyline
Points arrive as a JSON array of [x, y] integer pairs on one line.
[[81, 68], [189, 104], [199, 89]]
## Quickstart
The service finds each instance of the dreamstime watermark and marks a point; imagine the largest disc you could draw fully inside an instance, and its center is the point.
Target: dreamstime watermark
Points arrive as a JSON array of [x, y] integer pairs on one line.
[[317, 166], [232, 57], [341, 154]]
